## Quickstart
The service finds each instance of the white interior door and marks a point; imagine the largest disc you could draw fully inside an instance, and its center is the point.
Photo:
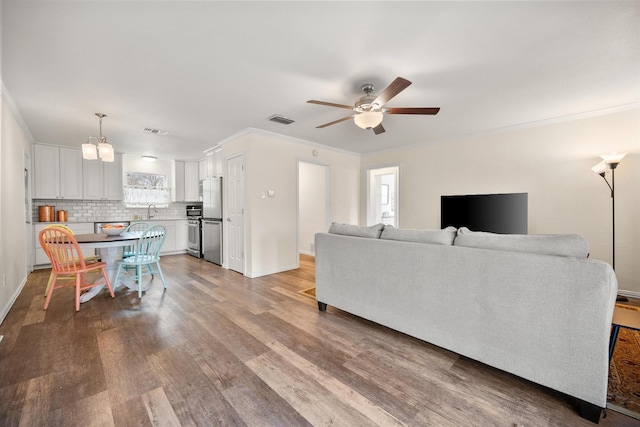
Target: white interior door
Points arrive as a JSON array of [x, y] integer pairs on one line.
[[235, 213]]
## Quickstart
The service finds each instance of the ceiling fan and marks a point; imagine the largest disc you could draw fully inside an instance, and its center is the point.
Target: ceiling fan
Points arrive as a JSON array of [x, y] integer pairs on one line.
[[369, 109]]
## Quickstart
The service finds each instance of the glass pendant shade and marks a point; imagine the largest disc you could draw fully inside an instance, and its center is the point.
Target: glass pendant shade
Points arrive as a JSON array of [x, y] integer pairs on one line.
[[89, 151], [368, 119], [106, 152]]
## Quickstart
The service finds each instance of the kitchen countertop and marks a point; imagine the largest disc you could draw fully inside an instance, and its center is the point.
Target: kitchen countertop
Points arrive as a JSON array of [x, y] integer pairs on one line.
[[110, 220]]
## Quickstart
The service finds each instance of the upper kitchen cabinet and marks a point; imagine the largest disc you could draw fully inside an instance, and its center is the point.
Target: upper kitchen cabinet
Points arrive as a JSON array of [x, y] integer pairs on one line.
[[179, 190], [218, 162], [212, 164], [187, 181], [102, 180], [57, 172], [202, 169]]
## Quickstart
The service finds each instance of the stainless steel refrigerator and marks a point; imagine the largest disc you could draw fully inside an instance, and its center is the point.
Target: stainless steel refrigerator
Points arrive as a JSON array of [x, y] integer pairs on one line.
[[212, 220]]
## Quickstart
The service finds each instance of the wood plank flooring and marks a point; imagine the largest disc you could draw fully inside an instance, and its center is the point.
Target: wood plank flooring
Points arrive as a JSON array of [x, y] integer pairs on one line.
[[217, 348]]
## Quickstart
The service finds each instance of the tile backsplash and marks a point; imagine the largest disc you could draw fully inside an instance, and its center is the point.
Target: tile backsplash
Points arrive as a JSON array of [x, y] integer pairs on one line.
[[99, 210]]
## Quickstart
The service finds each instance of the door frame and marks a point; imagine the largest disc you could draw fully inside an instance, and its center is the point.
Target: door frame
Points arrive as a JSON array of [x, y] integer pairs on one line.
[[26, 160], [367, 180]]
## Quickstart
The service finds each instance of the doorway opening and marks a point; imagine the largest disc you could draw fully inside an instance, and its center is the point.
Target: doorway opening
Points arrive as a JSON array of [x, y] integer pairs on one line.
[[313, 204], [382, 196]]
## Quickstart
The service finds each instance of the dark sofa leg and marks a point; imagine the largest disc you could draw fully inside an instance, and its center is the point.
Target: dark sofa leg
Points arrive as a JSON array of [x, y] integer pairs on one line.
[[322, 306], [590, 412]]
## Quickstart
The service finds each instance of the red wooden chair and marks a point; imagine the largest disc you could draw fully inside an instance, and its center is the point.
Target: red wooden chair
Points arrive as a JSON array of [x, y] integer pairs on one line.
[[66, 259], [87, 259]]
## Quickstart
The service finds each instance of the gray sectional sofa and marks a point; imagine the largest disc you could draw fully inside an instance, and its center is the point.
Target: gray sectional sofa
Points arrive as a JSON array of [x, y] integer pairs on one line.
[[531, 305]]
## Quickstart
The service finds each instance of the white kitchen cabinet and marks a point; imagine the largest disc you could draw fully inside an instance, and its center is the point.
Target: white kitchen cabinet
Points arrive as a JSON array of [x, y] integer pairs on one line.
[[169, 245], [57, 172], [182, 235], [102, 180], [191, 182], [202, 169], [212, 164], [179, 190], [218, 162], [41, 259], [187, 181]]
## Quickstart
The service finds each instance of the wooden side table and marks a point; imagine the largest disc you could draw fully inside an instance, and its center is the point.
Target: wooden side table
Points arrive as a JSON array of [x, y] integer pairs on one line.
[[622, 318]]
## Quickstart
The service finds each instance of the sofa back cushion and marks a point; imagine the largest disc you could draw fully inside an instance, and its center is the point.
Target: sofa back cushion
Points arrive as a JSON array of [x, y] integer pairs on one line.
[[436, 237], [570, 245], [372, 232]]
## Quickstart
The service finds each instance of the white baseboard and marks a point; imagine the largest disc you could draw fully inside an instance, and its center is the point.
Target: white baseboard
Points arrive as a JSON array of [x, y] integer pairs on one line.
[[313, 254], [629, 294], [254, 275], [14, 297]]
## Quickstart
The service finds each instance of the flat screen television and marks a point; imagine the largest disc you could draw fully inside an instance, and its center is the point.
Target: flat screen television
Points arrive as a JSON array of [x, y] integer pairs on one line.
[[496, 213]]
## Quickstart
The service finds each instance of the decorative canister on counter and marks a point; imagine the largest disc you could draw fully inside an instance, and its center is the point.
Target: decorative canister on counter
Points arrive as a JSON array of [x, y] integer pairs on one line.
[[63, 216], [46, 213]]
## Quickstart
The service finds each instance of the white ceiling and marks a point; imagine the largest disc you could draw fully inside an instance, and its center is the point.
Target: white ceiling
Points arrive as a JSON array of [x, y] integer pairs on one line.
[[206, 70]]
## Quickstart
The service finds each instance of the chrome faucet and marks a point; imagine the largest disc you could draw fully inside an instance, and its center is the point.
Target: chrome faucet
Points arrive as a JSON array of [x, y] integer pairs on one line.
[[149, 216]]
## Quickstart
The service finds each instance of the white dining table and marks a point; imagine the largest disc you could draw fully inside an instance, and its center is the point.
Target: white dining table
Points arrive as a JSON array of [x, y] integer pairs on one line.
[[109, 248]]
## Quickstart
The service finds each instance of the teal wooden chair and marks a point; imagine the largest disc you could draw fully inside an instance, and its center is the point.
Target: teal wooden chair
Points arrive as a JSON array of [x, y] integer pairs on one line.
[[135, 227], [146, 254]]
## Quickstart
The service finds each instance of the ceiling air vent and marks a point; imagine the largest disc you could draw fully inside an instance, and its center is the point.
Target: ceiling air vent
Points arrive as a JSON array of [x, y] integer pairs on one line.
[[280, 119], [155, 131]]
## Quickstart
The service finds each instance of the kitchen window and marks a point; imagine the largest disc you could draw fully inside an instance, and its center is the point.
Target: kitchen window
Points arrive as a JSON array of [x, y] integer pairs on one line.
[[143, 189]]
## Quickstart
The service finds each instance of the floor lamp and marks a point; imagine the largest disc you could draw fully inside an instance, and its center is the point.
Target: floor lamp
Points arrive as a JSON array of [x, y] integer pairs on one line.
[[611, 161]]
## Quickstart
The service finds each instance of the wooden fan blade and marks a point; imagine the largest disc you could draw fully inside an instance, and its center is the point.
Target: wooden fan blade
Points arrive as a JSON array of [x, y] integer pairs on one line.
[[330, 104], [336, 121], [378, 129], [430, 111], [397, 86]]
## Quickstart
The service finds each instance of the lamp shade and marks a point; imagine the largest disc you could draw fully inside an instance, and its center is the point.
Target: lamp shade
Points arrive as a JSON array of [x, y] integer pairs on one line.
[[89, 151], [600, 168], [368, 119], [106, 152], [613, 158]]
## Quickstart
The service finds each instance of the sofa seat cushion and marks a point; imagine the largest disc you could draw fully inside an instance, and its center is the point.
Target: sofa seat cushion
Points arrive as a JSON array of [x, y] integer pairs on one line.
[[569, 245], [436, 237], [372, 232]]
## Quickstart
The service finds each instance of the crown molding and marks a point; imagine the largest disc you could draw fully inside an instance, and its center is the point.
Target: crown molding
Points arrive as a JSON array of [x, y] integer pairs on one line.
[[269, 134], [13, 109]]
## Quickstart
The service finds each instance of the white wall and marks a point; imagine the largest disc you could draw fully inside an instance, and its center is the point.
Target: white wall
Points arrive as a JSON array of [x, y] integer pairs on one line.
[[271, 162], [13, 229], [134, 163], [553, 164]]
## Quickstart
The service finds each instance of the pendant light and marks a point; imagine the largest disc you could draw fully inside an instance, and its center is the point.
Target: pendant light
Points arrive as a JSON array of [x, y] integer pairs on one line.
[[92, 148]]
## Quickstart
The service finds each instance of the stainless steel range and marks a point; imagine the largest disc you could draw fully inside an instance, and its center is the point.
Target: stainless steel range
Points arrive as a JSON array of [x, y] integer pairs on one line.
[[194, 222]]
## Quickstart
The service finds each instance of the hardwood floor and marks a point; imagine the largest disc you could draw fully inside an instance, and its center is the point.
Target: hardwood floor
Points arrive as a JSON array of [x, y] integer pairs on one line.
[[217, 348]]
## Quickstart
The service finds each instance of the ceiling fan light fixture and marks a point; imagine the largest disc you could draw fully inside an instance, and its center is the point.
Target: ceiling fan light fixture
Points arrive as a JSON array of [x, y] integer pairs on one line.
[[368, 119]]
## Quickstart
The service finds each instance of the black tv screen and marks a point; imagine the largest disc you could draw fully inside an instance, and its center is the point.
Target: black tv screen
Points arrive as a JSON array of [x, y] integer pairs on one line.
[[496, 213]]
